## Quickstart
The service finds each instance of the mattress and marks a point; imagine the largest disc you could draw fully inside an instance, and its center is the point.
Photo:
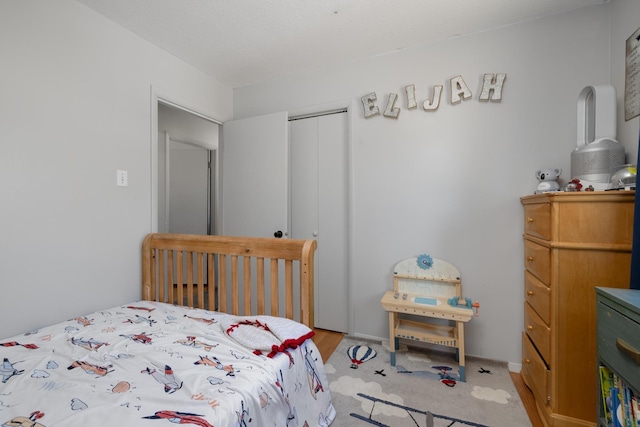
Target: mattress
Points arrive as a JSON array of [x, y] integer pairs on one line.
[[151, 363]]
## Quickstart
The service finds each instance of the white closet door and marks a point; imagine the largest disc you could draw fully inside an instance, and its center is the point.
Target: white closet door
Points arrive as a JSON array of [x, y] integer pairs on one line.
[[319, 209], [254, 163]]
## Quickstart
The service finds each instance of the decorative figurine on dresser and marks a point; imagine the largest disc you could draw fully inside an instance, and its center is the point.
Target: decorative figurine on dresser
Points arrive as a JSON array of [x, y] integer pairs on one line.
[[573, 242], [548, 179]]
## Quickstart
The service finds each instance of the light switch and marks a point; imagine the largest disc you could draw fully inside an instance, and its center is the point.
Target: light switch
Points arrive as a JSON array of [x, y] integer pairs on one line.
[[121, 178]]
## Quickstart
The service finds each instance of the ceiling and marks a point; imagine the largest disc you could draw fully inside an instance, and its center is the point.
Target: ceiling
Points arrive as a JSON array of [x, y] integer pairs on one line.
[[243, 42]]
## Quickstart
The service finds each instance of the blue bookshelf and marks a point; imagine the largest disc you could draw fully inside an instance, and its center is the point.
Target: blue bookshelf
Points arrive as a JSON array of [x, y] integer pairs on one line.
[[618, 337]]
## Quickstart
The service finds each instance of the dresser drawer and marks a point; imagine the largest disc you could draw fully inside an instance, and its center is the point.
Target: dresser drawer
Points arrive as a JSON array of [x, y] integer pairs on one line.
[[537, 220], [538, 331], [619, 343], [535, 371], [538, 295], [537, 259], [599, 223]]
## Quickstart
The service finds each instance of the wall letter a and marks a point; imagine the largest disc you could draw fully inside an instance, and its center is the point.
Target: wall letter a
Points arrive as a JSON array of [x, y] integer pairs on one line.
[[459, 90]]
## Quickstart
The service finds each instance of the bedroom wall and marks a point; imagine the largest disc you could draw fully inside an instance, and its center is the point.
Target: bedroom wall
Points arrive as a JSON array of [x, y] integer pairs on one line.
[[74, 107], [448, 182]]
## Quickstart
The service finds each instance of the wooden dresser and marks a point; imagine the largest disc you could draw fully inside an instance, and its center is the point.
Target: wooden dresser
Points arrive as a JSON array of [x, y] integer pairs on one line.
[[573, 242]]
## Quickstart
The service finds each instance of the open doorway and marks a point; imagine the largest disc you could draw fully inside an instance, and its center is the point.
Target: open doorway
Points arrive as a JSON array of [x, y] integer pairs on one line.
[[185, 187], [186, 167]]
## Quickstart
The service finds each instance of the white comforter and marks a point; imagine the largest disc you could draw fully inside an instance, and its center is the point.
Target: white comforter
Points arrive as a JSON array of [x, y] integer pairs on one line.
[[151, 364]]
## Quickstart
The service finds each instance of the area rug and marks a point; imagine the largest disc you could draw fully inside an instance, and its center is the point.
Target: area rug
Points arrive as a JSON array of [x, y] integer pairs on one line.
[[421, 390]]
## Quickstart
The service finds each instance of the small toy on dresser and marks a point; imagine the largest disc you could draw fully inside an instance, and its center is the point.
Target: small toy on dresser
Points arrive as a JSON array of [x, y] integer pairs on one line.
[[573, 185], [548, 180]]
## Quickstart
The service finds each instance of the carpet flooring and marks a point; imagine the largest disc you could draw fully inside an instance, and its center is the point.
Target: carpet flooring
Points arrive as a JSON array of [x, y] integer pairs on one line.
[[412, 394]]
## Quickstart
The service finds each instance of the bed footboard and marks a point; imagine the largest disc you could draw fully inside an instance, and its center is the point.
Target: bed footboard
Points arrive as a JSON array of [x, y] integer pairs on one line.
[[236, 275]]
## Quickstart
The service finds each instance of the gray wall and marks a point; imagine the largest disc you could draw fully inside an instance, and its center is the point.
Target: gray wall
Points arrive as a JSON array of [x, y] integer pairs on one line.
[[448, 182], [75, 106]]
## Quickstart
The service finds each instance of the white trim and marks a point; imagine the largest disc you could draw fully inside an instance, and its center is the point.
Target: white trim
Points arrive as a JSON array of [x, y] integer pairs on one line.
[[351, 107], [320, 108], [514, 367], [188, 110], [167, 181], [318, 114], [383, 341]]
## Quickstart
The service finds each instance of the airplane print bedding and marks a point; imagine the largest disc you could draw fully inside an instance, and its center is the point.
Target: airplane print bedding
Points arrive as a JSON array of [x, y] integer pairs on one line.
[[151, 364]]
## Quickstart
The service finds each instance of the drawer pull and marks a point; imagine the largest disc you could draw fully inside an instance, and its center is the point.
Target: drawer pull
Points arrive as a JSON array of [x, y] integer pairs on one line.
[[529, 219], [529, 258], [527, 361], [529, 293], [627, 349], [529, 328]]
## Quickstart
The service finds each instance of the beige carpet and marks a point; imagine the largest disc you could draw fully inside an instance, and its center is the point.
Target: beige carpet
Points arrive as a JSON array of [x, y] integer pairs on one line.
[[411, 393]]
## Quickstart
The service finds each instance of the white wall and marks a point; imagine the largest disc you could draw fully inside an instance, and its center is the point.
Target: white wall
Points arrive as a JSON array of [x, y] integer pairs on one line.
[[75, 105], [188, 127], [448, 182]]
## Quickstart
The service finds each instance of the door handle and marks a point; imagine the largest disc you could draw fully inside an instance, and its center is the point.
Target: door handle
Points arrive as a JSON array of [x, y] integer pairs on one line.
[[278, 234]]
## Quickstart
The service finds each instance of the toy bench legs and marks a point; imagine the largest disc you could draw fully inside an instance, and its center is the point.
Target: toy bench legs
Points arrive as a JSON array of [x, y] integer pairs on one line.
[[445, 335]]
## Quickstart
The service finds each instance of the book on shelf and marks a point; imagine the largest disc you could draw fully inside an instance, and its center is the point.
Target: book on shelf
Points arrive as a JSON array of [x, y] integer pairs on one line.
[[620, 407], [616, 409], [606, 384]]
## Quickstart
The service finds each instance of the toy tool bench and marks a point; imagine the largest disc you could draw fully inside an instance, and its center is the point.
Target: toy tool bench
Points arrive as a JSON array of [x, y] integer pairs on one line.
[[430, 290]]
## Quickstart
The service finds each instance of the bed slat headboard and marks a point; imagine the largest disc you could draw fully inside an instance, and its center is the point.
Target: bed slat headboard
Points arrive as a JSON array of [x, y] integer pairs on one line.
[[249, 272]]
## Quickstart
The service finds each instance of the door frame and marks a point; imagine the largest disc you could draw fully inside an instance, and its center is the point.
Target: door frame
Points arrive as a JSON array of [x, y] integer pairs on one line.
[[351, 106], [158, 95]]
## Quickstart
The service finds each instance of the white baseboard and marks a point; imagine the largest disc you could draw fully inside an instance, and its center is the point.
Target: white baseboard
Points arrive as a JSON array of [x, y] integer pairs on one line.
[[514, 367]]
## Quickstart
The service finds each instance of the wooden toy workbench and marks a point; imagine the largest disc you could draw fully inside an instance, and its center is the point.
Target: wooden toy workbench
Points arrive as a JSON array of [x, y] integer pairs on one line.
[[431, 290]]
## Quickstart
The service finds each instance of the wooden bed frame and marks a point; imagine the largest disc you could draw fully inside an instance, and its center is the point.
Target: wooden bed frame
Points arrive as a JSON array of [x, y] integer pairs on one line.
[[259, 271]]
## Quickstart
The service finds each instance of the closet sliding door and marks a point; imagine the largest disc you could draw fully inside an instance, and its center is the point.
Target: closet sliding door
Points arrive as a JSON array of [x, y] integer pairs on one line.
[[319, 201]]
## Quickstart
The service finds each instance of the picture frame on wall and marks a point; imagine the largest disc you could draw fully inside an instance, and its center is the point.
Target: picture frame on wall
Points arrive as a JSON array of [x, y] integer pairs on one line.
[[632, 77]]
